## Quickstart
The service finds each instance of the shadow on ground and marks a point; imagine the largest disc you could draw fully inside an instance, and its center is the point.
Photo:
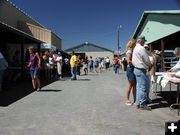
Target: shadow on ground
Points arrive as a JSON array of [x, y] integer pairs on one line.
[[95, 74], [164, 99], [83, 80], [49, 90], [19, 90]]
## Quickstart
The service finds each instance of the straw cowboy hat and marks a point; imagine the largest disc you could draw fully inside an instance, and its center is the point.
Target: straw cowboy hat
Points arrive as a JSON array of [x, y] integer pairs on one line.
[[146, 46], [157, 52]]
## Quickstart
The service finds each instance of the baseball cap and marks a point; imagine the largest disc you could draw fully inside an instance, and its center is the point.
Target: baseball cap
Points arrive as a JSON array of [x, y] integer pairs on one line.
[[142, 38]]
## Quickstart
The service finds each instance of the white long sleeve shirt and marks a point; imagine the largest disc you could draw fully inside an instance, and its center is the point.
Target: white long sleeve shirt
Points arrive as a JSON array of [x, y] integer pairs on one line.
[[140, 58], [176, 67]]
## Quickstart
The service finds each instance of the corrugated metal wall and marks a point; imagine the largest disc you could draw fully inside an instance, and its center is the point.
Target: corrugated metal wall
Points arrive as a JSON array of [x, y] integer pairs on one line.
[[55, 40], [100, 54], [37, 32]]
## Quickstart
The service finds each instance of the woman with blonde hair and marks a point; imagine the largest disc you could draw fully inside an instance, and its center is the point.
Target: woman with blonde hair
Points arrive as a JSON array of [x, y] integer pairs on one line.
[[34, 64], [130, 72]]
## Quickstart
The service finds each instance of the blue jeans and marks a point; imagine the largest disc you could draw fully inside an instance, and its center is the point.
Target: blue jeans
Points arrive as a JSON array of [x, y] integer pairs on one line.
[[130, 73], [34, 72], [142, 86], [73, 72], [116, 68]]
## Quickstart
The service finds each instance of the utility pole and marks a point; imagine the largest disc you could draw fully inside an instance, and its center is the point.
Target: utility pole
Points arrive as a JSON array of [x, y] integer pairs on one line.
[[119, 27]]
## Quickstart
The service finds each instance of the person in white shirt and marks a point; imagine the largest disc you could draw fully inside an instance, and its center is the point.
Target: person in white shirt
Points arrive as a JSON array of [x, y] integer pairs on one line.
[[51, 69], [176, 68], [59, 65], [107, 64], [141, 62]]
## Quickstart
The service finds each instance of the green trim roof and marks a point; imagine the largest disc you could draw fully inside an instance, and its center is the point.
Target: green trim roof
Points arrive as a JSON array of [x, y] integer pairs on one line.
[[152, 20], [163, 12]]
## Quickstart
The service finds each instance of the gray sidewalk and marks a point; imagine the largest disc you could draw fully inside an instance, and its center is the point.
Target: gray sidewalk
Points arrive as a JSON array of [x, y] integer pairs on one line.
[[92, 105]]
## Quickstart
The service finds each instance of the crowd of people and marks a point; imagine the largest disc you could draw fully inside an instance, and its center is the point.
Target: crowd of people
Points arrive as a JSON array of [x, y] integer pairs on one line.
[[79, 65], [142, 63], [49, 65]]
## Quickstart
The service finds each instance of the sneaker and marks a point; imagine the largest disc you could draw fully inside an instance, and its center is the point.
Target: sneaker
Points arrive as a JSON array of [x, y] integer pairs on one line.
[[145, 107], [38, 89]]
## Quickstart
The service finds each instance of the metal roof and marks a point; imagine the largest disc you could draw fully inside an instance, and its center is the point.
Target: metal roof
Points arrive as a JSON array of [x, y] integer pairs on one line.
[[88, 47], [24, 12], [145, 15], [163, 12], [19, 32]]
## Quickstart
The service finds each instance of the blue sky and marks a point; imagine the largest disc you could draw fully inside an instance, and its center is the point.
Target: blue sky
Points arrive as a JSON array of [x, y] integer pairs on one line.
[[94, 21]]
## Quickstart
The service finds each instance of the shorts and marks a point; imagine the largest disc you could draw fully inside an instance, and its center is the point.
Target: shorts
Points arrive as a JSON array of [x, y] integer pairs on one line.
[[130, 73], [34, 72]]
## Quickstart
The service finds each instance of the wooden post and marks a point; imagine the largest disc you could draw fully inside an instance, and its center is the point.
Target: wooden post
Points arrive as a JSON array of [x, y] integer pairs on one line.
[[162, 55], [150, 47]]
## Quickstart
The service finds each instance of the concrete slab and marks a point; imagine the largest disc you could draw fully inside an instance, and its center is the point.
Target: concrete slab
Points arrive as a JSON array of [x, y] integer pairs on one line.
[[91, 105]]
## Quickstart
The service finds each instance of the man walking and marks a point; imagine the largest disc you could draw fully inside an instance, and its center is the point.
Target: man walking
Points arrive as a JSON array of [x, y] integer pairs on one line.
[[141, 62], [73, 63]]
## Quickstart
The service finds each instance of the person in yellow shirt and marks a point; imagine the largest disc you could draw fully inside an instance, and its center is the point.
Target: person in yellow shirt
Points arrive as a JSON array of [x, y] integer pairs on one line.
[[73, 63]]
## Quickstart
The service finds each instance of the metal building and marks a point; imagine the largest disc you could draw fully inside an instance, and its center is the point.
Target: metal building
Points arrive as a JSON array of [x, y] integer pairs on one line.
[[89, 49], [18, 31], [13, 16]]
